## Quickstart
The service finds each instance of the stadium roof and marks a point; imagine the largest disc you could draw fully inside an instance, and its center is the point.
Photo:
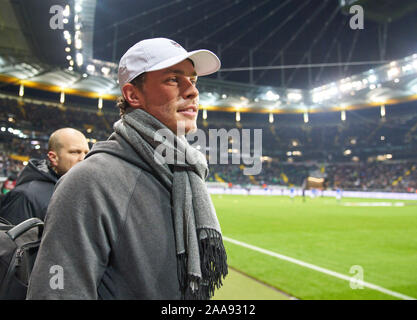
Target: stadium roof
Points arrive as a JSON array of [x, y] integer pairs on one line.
[[276, 45]]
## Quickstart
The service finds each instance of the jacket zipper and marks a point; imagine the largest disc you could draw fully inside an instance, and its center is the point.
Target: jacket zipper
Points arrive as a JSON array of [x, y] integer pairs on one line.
[[19, 256], [20, 251]]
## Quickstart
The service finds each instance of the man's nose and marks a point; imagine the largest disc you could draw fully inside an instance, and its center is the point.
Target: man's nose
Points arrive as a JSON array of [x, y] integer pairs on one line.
[[191, 91]]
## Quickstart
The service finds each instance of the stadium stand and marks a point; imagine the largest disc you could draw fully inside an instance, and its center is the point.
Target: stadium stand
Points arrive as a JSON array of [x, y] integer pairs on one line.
[[365, 152]]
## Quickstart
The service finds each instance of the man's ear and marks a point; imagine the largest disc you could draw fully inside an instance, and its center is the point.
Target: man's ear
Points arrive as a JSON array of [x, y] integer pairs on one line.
[[53, 158], [132, 95]]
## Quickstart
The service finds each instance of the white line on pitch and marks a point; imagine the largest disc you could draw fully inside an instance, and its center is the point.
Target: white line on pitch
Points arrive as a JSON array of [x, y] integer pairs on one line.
[[319, 269]]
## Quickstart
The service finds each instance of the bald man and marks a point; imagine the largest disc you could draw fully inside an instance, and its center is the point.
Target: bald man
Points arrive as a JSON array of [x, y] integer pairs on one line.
[[36, 182]]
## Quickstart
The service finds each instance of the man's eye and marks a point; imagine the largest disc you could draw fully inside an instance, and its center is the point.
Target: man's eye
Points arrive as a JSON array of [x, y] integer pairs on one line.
[[173, 79]]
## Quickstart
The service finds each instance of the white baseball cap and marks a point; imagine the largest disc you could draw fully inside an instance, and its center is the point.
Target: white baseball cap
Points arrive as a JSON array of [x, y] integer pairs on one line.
[[160, 53]]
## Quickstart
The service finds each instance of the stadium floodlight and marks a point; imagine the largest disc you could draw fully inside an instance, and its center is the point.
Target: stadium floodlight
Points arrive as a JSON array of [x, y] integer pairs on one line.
[[382, 111], [21, 90], [357, 85], [237, 116], [343, 115], [372, 87], [294, 96], [91, 68], [224, 96], [347, 152], [271, 118], [62, 97], [266, 159], [205, 114], [271, 96], [79, 59], [344, 87], [317, 97], [396, 80], [407, 68], [105, 70], [305, 117], [78, 8], [69, 57], [67, 49], [392, 72], [78, 43], [372, 78], [100, 103], [66, 34], [66, 11]]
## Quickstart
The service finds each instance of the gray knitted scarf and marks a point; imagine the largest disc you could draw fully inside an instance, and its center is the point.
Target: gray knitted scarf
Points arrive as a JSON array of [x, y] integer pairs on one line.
[[201, 256]]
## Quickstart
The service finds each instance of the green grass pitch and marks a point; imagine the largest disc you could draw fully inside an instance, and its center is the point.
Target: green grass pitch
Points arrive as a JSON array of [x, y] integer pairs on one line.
[[325, 233]]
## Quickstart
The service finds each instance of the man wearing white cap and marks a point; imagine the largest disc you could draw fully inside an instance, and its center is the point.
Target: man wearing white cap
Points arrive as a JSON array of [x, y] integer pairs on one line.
[[123, 225]]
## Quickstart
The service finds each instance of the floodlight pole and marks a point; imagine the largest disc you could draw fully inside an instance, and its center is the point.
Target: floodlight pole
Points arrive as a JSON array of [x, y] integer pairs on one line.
[[219, 53], [116, 29], [382, 40], [309, 70], [282, 71], [251, 66], [339, 57]]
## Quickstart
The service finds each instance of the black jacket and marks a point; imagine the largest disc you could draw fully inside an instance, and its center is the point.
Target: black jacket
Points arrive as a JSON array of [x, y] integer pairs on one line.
[[30, 198], [109, 226]]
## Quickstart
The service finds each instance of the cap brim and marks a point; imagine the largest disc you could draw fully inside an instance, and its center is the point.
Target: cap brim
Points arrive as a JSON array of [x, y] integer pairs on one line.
[[205, 62]]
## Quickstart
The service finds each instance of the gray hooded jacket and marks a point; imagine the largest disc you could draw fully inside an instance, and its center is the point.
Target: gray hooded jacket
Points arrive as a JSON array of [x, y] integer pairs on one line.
[[108, 232]]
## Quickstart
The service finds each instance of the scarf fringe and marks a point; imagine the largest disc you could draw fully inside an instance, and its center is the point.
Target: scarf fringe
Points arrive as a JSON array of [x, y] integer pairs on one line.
[[213, 260]]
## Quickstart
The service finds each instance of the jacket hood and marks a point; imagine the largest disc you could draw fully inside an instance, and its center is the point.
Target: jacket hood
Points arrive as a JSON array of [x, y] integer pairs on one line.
[[37, 170], [117, 146]]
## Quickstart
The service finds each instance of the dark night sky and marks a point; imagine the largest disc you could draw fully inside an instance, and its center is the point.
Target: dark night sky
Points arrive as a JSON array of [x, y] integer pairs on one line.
[[246, 24]]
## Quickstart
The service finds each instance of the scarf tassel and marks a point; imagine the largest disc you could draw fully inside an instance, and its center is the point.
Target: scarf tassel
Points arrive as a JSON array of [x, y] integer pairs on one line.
[[213, 260]]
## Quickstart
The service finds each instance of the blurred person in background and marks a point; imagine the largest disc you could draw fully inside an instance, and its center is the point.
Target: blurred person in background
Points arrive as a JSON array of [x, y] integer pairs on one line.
[[35, 183], [9, 183]]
